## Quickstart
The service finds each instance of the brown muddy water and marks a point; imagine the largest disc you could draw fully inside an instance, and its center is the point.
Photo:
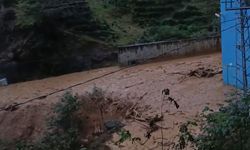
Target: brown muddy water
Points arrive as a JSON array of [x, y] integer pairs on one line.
[[141, 85]]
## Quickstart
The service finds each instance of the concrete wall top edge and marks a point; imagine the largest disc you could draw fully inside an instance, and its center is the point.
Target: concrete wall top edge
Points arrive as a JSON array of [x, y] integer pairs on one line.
[[167, 42]]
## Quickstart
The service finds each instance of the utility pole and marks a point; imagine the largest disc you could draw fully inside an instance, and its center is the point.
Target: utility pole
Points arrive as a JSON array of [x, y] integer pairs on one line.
[[243, 49]]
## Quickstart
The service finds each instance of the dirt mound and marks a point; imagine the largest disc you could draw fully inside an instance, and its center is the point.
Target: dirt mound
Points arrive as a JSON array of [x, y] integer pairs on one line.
[[27, 123], [100, 111]]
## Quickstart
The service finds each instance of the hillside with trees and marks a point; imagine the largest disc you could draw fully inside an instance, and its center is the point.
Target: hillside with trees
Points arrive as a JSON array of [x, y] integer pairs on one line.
[[52, 37], [136, 21]]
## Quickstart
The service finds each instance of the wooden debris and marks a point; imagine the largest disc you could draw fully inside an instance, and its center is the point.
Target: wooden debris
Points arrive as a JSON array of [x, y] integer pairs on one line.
[[132, 113], [152, 125], [201, 73], [141, 97], [11, 107], [204, 73]]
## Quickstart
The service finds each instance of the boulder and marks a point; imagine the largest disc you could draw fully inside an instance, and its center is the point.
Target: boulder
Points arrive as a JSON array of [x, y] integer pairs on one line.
[[3, 82]]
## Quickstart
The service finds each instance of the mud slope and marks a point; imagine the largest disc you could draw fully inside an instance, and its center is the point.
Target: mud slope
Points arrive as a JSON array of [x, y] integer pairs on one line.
[[141, 84]]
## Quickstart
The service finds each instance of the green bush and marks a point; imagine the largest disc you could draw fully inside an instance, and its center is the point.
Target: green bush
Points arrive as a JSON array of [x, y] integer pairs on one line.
[[28, 13], [164, 32], [62, 130], [227, 129]]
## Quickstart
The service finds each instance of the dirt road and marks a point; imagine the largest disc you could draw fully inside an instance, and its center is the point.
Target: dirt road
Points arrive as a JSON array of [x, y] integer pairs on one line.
[[140, 84]]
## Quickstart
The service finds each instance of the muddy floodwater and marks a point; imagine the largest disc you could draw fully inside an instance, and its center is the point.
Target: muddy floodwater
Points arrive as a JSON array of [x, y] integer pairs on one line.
[[141, 85]]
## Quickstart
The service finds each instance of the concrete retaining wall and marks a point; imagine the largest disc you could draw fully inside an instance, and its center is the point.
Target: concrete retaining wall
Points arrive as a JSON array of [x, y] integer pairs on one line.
[[140, 52]]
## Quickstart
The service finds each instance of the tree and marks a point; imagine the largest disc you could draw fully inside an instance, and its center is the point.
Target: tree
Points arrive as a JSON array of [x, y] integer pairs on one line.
[[28, 13]]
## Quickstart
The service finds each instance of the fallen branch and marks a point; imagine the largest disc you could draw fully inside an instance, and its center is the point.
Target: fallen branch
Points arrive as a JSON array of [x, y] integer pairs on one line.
[[201, 73], [141, 97]]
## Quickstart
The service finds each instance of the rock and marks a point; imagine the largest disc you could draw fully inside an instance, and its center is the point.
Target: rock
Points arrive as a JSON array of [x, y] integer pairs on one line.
[[113, 125], [3, 82]]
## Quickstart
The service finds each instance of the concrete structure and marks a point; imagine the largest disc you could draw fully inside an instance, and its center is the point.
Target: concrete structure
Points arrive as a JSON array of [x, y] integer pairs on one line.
[[133, 53], [231, 39], [228, 44]]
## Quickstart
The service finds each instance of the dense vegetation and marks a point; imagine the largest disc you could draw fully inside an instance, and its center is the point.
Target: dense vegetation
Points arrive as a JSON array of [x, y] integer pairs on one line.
[[51, 26], [114, 21], [49, 37], [52, 37], [225, 129], [152, 20]]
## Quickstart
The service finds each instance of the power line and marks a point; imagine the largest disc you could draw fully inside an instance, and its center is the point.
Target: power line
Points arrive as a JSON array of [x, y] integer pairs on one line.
[[228, 28], [226, 21], [15, 105]]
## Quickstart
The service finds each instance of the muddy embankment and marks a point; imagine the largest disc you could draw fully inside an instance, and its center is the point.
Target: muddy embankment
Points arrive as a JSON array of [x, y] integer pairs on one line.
[[97, 116]]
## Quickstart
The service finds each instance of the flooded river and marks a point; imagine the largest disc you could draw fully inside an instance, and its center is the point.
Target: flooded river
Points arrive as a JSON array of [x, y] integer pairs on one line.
[[140, 84]]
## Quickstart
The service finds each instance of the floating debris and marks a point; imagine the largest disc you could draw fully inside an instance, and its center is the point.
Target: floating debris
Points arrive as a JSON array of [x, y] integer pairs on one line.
[[204, 73]]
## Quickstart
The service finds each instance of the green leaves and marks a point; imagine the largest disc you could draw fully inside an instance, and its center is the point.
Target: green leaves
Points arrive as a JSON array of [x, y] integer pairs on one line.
[[124, 136], [63, 133], [28, 13], [65, 110], [226, 129]]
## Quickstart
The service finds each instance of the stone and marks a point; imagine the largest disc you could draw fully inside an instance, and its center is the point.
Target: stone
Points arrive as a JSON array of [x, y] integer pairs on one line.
[[113, 125], [3, 82]]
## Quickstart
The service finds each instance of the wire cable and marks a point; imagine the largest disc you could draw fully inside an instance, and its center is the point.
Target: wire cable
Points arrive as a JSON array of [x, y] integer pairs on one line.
[[15, 105]]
